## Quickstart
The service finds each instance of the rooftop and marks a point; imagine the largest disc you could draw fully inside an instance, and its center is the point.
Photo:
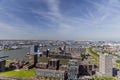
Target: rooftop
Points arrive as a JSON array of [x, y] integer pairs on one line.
[[49, 70]]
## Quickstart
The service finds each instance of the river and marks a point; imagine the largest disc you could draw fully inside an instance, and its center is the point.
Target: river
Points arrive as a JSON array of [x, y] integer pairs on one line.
[[18, 54]]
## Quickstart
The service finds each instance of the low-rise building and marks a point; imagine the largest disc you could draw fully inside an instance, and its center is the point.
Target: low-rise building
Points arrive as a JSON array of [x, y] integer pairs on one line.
[[51, 73], [42, 65], [63, 67], [53, 64]]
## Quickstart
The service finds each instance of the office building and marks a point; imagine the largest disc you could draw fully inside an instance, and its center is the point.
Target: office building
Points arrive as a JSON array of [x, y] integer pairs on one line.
[[105, 66], [32, 58], [34, 49]]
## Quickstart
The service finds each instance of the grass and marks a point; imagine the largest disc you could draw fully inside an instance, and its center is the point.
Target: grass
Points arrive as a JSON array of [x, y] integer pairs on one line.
[[118, 63], [111, 53], [45, 60], [93, 54], [105, 78], [93, 61], [64, 61], [8, 62], [19, 74]]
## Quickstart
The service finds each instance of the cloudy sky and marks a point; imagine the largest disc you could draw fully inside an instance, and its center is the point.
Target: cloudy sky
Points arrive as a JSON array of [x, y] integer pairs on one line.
[[60, 19]]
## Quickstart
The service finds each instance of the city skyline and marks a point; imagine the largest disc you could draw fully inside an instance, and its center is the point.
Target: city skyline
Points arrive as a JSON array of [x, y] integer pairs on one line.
[[60, 19]]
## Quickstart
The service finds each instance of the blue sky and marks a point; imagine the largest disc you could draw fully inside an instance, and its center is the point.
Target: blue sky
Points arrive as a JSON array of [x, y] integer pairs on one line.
[[60, 19]]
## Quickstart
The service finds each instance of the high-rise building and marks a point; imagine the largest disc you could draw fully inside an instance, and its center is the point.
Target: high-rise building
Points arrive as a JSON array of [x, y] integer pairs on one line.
[[47, 53], [32, 59], [33, 49], [105, 66], [73, 70]]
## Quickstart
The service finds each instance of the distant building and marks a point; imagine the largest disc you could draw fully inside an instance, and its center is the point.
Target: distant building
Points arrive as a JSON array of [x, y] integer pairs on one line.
[[105, 66], [63, 47], [47, 53], [34, 49], [78, 50]]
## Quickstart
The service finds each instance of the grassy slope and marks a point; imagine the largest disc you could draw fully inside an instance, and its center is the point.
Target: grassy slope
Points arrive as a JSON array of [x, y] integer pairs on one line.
[[105, 78], [93, 54], [20, 74]]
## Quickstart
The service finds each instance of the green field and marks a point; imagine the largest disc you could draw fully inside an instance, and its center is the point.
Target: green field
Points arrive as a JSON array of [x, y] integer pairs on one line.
[[64, 61], [45, 60], [8, 62], [19, 74], [93, 54], [105, 78]]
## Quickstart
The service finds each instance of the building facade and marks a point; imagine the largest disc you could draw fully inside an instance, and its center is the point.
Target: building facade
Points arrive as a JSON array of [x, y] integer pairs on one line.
[[33, 49], [73, 70], [2, 65], [51, 73], [105, 66], [53, 64]]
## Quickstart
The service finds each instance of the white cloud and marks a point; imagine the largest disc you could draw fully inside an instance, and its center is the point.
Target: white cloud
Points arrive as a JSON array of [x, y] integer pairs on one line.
[[6, 27], [106, 16]]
